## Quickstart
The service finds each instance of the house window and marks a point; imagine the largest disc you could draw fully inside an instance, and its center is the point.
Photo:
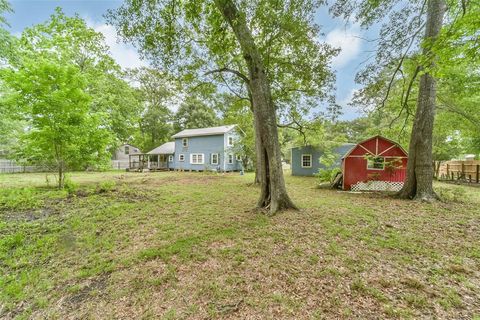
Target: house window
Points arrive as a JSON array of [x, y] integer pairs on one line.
[[230, 141], [181, 157], [127, 150], [306, 160], [376, 163], [196, 158], [170, 158], [238, 157], [185, 142], [230, 158], [214, 158]]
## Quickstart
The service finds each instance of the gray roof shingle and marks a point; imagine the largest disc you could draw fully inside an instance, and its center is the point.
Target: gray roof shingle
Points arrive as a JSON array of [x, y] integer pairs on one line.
[[166, 148], [203, 131]]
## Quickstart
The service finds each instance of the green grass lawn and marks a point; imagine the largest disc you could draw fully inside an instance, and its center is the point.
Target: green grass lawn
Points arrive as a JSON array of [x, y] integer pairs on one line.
[[188, 246]]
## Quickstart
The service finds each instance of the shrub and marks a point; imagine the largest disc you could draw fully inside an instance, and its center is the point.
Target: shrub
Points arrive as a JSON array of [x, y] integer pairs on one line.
[[106, 186], [20, 199], [327, 175], [69, 185], [452, 194]]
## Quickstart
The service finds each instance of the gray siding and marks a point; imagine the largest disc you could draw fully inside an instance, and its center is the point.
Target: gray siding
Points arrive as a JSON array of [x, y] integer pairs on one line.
[[171, 164], [120, 158], [236, 165], [297, 169], [205, 145], [120, 154], [316, 153]]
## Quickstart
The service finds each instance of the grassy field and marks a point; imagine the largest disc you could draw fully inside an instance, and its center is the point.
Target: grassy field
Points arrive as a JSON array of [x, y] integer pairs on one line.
[[188, 246]]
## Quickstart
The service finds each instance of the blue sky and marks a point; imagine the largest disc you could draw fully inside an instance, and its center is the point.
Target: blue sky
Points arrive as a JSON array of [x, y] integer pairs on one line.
[[337, 32]]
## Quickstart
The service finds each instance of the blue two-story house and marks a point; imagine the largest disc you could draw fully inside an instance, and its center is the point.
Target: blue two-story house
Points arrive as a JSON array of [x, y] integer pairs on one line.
[[207, 149], [204, 149]]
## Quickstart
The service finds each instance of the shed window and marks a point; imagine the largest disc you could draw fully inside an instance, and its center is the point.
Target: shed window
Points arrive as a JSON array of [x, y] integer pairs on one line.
[[376, 163], [170, 158], [214, 158], [185, 142], [181, 157], [230, 158], [306, 160], [196, 158], [230, 141], [127, 150]]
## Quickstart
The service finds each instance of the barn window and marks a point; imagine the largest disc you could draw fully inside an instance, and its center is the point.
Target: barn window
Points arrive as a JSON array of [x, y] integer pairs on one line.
[[230, 141], [127, 150], [185, 142], [376, 163], [230, 158], [181, 157], [306, 160], [170, 158]]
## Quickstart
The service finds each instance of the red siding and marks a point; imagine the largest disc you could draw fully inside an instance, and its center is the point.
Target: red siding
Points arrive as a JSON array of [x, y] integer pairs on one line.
[[358, 151], [354, 165]]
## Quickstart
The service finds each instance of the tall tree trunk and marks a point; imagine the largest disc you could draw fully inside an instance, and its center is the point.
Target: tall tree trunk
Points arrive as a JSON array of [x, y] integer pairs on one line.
[[258, 153], [258, 145], [419, 181], [269, 166]]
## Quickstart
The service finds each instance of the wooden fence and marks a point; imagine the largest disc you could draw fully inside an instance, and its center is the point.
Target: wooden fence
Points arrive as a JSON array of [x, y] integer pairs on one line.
[[468, 170]]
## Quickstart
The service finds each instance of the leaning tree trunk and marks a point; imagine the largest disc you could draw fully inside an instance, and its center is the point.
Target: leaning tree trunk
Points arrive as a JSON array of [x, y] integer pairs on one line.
[[269, 166], [419, 181], [259, 156]]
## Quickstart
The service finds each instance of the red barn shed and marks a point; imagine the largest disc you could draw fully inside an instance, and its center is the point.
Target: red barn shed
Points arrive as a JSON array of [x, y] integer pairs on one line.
[[375, 164]]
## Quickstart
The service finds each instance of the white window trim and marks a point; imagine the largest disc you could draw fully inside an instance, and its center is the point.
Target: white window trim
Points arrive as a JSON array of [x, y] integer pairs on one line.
[[238, 157], [306, 155], [180, 156], [170, 158], [211, 158], [378, 169], [185, 142], [197, 154], [228, 141], [230, 158]]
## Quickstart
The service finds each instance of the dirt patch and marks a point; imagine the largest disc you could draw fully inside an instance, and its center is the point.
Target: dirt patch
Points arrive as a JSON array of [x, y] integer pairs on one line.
[[28, 215], [84, 293], [194, 178]]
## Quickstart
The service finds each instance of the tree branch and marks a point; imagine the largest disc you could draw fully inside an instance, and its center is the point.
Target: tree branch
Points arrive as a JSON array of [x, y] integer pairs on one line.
[[397, 69], [235, 72]]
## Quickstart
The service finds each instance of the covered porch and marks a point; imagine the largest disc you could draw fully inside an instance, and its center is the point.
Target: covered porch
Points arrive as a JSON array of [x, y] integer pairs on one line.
[[150, 162], [154, 160]]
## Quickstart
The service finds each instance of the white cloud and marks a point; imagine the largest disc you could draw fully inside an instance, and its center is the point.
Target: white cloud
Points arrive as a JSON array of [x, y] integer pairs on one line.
[[347, 39], [125, 55], [349, 112]]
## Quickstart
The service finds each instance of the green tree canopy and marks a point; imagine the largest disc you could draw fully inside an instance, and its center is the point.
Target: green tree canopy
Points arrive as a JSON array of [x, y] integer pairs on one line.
[[156, 90], [194, 113], [52, 99], [69, 40]]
